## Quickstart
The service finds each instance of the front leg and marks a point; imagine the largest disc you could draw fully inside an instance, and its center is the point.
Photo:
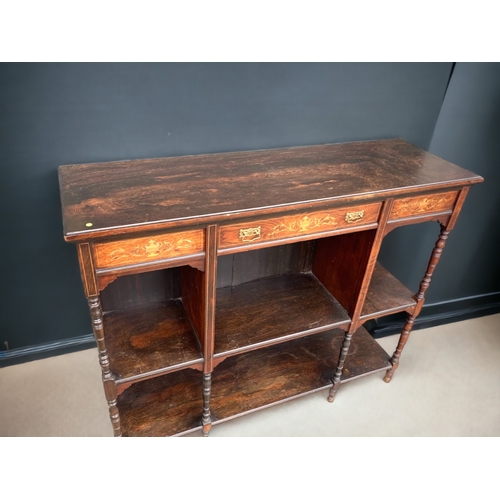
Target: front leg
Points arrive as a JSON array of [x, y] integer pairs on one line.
[[399, 349], [340, 365], [419, 298], [206, 418], [108, 379]]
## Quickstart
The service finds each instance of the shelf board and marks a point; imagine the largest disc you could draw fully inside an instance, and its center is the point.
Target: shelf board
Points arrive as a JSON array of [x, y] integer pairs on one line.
[[151, 339], [273, 310], [172, 404], [262, 378], [163, 406], [386, 295]]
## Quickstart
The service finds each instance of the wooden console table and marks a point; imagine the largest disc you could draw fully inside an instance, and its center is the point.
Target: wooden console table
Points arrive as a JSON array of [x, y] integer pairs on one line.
[[225, 283]]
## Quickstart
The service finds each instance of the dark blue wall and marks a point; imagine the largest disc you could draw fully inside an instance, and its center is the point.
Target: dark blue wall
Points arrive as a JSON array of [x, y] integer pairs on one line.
[[467, 133]]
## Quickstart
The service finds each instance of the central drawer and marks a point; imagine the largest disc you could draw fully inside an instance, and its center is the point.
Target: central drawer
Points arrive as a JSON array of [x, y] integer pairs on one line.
[[294, 227]]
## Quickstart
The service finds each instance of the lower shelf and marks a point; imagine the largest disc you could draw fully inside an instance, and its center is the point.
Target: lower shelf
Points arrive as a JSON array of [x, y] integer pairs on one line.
[[162, 406], [172, 404], [263, 378]]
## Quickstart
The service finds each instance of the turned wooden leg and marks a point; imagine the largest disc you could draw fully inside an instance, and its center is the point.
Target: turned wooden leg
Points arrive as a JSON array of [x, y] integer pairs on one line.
[[338, 372], [206, 419], [107, 376], [399, 349], [419, 298], [111, 397]]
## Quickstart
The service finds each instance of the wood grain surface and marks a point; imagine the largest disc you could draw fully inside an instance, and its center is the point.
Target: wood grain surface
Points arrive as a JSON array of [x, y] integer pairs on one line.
[[273, 310], [259, 378], [340, 262], [172, 404], [141, 289], [152, 337], [102, 199], [386, 295], [266, 262], [162, 406]]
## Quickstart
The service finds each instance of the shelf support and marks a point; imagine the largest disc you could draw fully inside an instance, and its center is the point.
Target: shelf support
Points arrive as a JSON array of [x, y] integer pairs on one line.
[[108, 379], [365, 282], [426, 280], [206, 418], [419, 298], [209, 297], [340, 365], [92, 293]]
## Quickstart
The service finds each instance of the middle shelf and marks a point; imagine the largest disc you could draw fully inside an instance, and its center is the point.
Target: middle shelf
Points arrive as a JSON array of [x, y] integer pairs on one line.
[[150, 339], [273, 310], [386, 295]]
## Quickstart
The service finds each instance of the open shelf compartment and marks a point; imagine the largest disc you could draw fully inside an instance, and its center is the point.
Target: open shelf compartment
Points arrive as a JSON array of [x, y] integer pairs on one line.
[[147, 326], [280, 326], [273, 310], [148, 339], [386, 295], [162, 406], [266, 377], [172, 404]]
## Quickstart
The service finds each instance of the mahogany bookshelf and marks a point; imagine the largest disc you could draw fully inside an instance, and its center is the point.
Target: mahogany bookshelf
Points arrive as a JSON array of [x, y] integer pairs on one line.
[[222, 284]]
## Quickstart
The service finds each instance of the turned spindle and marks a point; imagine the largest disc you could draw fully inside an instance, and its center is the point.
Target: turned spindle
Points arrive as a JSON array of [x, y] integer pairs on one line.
[[419, 298], [107, 376], [338, 372], [206, 419]]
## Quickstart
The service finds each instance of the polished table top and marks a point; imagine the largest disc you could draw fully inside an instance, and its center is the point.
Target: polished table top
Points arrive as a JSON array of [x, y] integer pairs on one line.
[[135, 195]]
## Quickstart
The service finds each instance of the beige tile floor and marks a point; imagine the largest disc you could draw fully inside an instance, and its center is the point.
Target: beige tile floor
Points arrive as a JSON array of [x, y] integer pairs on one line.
[[448, 384]]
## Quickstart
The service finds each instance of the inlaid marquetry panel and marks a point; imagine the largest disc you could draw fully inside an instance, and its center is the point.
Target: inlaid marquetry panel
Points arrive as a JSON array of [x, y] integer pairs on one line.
[[422, 205], [148, 249], [293, 226]]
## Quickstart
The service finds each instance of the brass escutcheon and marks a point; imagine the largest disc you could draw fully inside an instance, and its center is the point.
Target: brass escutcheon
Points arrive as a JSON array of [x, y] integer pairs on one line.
[[354, 216], [250, 234]]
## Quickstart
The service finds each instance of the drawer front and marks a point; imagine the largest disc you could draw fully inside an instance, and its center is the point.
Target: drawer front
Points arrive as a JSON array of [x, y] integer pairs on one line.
[[292, 226], [148, 249], [422, 205]]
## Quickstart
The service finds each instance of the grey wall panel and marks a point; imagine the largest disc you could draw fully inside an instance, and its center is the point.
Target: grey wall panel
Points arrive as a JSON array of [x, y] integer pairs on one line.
[[467, 133]]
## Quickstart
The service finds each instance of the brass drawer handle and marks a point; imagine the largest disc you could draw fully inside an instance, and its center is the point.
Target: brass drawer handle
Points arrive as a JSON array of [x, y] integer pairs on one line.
[[250, 234], [354, 216]]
